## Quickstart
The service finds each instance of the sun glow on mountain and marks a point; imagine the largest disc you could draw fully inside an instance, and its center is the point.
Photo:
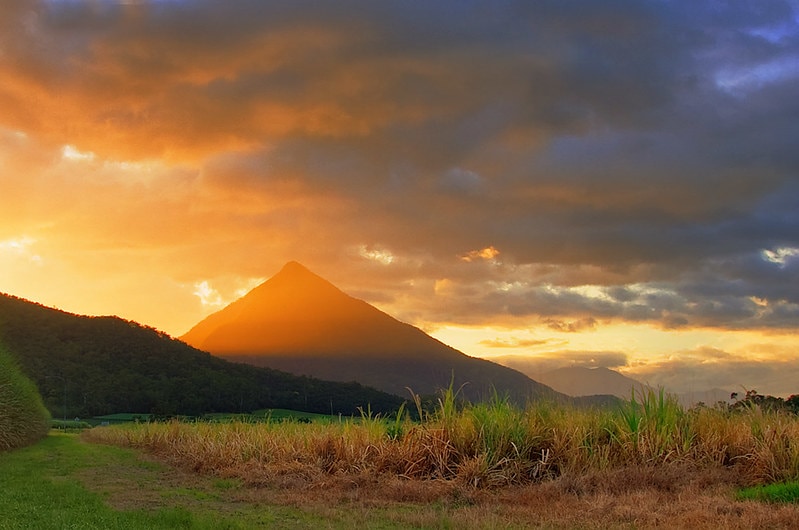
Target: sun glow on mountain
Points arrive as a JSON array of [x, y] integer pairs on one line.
[[295, 311], [299, 322]]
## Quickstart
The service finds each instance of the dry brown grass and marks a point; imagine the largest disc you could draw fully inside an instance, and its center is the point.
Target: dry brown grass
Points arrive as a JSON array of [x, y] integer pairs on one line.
[[545, 466], [672, 496]]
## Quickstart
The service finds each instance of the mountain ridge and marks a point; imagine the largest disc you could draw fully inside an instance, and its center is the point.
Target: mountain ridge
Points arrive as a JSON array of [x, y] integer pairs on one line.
[[104, 365]]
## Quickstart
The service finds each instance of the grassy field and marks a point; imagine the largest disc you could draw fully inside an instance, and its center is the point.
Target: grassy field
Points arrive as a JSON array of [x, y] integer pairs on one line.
[[46, 486], [493, 444], [63, 482], [650, 464], [270, 415]]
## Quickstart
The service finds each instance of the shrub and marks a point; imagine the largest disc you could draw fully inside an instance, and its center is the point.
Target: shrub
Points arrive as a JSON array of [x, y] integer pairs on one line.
[[23, 418]]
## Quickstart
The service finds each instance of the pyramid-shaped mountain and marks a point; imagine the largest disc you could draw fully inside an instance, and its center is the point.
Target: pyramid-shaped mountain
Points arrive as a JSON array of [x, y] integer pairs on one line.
[[299, 322]]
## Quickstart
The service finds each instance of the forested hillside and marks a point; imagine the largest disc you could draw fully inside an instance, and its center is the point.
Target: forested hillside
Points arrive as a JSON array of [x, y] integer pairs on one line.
[[88, 366]]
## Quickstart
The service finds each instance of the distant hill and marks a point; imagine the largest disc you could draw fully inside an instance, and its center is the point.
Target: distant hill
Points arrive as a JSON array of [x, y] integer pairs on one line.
[[583, 381], [298, 322], [107, 365], [577, 381]]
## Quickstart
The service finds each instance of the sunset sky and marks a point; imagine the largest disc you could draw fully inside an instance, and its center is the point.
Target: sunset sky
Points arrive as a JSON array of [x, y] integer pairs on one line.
[[586, 183]]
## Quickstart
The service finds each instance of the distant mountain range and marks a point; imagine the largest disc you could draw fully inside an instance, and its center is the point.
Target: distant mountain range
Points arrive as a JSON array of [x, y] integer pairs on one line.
[[300, 323], [580, 381], [577, 380], [89, 366]]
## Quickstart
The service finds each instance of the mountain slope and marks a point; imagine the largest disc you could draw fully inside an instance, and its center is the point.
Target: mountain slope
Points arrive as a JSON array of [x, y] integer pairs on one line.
[[299, 322], [107, 365], [582, 381]]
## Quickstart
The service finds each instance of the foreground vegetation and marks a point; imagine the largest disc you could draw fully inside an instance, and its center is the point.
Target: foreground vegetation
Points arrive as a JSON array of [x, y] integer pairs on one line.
[[650, 464], [23, 418], [491, 444]]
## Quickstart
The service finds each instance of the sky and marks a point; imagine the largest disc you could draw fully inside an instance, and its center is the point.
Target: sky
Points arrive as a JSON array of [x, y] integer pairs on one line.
[[583, 183]]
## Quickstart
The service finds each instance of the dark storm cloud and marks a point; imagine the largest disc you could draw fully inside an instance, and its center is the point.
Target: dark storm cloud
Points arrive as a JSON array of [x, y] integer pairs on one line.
[[646, 148], [464, 73], [750, 292]]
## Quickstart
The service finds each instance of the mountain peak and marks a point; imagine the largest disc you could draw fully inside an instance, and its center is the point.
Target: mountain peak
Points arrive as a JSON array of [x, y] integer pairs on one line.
[[293, 268], [297, 275], [299, 322], [275, 312], [294, 285]]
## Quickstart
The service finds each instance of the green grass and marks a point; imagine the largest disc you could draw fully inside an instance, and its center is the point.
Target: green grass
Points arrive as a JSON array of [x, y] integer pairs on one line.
[[271, 415], [784, 492], [39, 489], [70, 425], [63, 482], [44, 486], [123, 417], [288, 415]]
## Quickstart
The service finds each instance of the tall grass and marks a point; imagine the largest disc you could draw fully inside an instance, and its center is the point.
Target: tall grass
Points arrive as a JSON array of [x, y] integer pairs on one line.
[[488, 444], [23, 418]]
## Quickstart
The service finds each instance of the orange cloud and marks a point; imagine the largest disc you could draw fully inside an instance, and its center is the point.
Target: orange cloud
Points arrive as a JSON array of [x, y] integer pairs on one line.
[[515, 343], [487, 253]]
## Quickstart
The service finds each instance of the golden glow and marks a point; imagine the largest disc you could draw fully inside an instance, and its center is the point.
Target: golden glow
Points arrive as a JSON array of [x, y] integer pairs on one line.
[[486, 254], [157, 170], [212, 298], [69, 152], [376, 254], [644, 349]]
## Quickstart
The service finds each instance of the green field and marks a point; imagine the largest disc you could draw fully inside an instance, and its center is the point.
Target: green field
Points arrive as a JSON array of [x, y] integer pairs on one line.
[[272, 415], [44, 486], [63, 482], [263, 415]]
